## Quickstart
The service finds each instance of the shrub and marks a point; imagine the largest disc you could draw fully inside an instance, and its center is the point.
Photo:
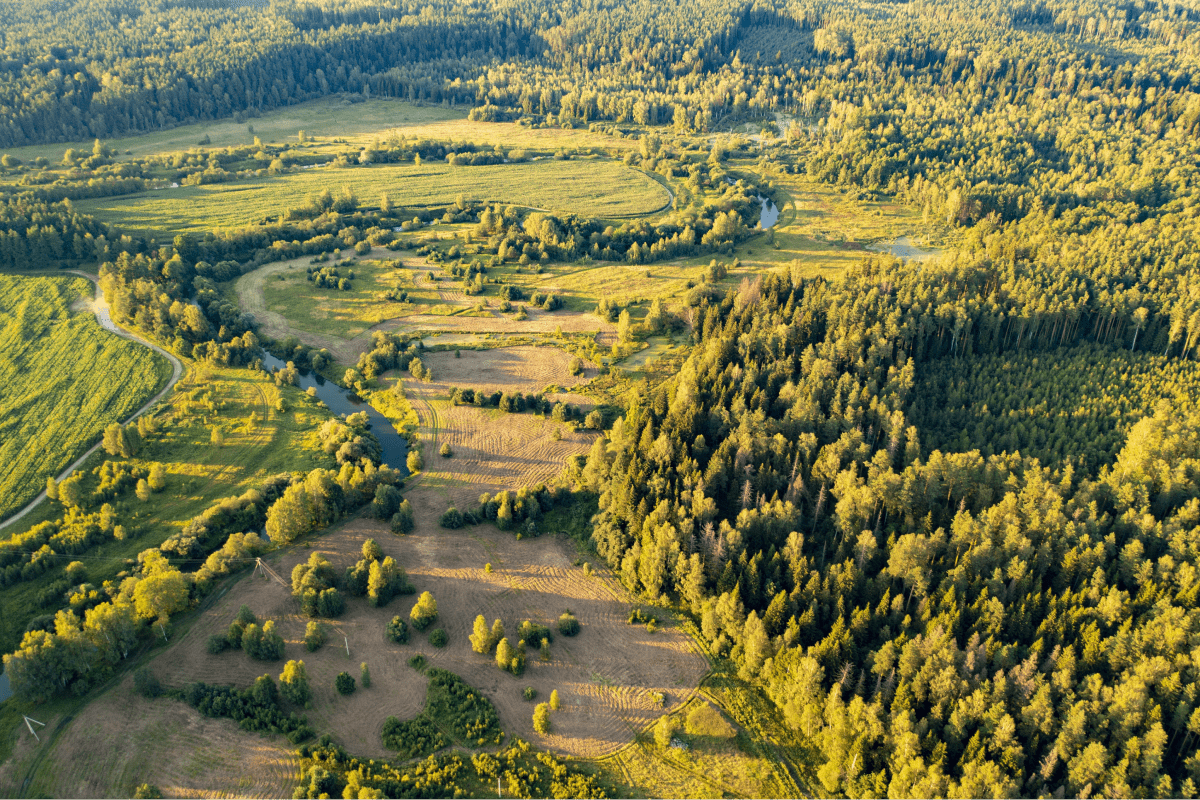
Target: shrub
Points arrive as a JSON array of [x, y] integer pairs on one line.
[[330, 603], [664, 729], [452, 518], [568, 625], [344, 683], [413, 738], [366, 675], [414, 461], [147, 791], [437, 637], [424, 612], [417, 662], [402, 520], [445, 450], [254, 709], [529, 693], [293, 683], [460, 708], [704, 720], [541, 718], [217, 643], [397, 630], [314, 635], [146, 684]]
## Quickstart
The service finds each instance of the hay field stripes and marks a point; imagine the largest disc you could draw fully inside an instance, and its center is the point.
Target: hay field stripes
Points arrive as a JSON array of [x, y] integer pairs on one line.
[[100, 308]]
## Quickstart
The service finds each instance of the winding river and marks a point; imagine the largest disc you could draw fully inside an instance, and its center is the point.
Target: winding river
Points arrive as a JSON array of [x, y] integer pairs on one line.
[[344, 402]]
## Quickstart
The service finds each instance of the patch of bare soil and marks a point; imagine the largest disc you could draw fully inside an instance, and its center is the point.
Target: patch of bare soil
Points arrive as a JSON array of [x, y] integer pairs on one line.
[[123, 740], [604, 676]]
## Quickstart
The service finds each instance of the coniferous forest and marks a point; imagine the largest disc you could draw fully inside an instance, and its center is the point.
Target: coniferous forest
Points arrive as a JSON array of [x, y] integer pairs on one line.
[[943, 516]]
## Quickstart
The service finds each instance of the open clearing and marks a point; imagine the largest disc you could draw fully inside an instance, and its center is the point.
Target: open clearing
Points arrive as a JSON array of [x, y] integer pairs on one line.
[[493, 450], [330, 120], [827, 229], [63, 379], [342, 322], [604, 675], [589, 187], [122, 740]]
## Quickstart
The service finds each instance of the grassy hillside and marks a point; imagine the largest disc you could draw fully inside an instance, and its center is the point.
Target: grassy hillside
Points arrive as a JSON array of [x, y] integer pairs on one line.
[[63, 378]]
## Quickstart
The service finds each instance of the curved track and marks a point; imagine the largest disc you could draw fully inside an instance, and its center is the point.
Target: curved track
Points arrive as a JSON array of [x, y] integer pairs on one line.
[[100, 308]]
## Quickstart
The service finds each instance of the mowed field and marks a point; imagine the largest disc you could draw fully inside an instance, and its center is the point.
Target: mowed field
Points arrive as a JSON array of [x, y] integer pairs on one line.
[[589, 187], [493, 450], [604, 675], [122, 740], [63, 379]]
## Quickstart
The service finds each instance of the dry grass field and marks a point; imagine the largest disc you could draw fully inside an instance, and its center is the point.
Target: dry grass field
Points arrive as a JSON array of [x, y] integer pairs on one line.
[[605, 675], [493, 450], [123, 740]]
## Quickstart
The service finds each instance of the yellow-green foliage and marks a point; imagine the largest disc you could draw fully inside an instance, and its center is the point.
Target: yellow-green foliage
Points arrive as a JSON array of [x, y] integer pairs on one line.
[[588, 187], [260, 442], [63, 378]]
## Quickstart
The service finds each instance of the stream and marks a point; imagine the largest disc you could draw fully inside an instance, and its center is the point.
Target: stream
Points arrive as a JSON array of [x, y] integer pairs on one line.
[[343, 402]]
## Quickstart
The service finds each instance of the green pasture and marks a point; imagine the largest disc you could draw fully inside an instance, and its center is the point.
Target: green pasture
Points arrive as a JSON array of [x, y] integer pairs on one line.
[[63, 379], [259, 441], [589, 187]]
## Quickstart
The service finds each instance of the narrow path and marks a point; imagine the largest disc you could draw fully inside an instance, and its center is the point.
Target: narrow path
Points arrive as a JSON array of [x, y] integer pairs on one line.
[[100, 307]]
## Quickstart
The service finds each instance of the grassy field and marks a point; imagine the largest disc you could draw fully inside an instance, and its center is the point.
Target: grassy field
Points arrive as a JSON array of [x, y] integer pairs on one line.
[[349, 313], [590, 187], [259, 442], [826, 229], [63, 379], [332, 121], [326, 119]]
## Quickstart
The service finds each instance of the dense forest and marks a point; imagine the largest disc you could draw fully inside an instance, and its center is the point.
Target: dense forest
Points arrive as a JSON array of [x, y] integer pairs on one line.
[[938, 622]]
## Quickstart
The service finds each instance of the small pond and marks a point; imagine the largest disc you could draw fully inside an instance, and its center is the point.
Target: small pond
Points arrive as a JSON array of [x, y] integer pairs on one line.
[[769, 214], [343, 403]]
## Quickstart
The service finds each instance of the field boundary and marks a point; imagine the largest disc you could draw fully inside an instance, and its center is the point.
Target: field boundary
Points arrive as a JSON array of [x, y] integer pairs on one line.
[[100, 309]]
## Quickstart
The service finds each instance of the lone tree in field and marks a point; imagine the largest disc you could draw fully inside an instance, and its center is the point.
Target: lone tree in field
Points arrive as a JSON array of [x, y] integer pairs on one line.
[[424, 612], [366, 675], [567, 624], [554, 701], [344, 683], [414, 460], [504, 655], [293, 683], [541, 718], [481, 639], [314, 636]]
